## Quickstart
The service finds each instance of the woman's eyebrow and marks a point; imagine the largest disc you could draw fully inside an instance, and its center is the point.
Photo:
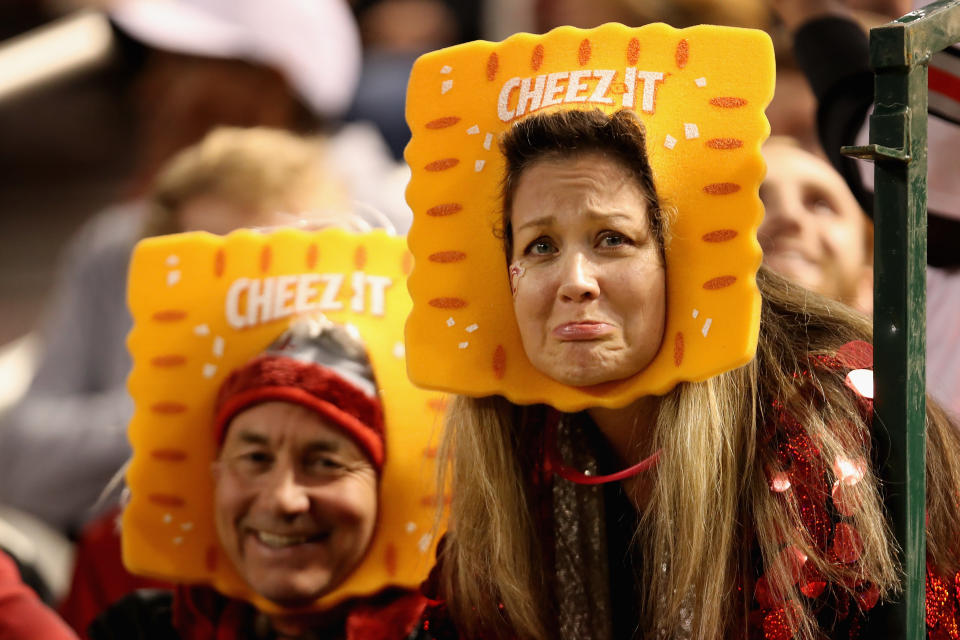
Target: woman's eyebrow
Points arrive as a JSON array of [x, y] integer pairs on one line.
[[608, 215], [536, 222]]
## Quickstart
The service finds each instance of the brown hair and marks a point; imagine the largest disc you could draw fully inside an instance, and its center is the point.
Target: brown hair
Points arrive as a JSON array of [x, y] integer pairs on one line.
[[571, 132]]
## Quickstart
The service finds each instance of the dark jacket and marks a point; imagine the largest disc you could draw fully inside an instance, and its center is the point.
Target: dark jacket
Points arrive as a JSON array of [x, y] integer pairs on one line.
[[199, 613]]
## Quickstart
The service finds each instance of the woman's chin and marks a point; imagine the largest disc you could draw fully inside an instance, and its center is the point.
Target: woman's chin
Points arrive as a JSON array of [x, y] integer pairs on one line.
[[588, 364], [586, 376]]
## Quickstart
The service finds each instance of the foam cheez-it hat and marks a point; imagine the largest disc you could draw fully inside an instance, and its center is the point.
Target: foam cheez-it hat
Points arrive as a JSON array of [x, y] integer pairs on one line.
[[203, 308], [316, 364]]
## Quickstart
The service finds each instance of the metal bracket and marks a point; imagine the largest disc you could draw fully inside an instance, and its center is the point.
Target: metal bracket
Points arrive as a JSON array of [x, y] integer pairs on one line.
[[873, 152]]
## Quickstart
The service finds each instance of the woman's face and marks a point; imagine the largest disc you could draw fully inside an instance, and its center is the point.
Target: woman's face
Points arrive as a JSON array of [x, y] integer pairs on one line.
[[589, 283]]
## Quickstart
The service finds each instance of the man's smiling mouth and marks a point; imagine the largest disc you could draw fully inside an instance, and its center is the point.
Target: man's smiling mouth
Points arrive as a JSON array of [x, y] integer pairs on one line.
[[280, 541]]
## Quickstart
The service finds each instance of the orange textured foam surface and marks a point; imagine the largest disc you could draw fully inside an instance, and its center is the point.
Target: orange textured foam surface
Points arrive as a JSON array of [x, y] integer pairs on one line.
[[700, 93], [189, 332]]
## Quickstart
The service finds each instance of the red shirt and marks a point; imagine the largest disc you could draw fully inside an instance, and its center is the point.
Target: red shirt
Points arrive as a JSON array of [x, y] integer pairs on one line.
[[22, 615]]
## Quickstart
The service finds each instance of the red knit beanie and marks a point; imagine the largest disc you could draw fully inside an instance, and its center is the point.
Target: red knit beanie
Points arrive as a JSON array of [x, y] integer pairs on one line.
[[318, 365]]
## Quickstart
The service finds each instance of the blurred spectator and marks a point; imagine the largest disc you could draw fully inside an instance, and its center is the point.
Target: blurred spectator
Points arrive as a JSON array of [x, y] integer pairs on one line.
[[315, 44], [99, 577], [677, 13], [61, 444], [287, 64], [22, 615], [833, 51], [814, 231], [90, 129], [792, 112], [245, 178], [180, 98], [394, 33]]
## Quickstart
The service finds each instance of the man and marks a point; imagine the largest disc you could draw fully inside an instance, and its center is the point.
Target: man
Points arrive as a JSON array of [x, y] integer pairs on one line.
[[301, 446], [814, 231]]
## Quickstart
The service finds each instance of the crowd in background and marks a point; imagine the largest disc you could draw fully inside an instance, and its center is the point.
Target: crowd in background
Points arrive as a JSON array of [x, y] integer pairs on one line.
[[200, 115]]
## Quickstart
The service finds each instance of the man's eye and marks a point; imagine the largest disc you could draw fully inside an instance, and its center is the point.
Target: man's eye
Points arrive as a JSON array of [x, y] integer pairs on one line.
[[252, 461], [255, 456], [324, 464], [540, 247], [822, 206]]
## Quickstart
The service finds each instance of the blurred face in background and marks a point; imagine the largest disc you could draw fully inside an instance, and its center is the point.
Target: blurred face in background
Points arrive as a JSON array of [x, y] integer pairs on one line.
[[219, 215], [814, 231]]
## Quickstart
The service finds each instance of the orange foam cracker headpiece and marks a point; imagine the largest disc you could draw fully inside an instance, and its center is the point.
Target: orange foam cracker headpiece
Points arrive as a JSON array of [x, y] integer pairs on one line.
[[700, 93], [204, 305]]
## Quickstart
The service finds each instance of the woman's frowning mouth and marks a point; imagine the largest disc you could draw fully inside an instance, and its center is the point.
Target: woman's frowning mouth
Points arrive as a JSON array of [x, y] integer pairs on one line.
[[582, 330]]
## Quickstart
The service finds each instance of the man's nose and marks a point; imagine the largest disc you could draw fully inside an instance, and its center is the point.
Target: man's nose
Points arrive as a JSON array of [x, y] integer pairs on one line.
[[285, 494], [577, 278], [784, 213]]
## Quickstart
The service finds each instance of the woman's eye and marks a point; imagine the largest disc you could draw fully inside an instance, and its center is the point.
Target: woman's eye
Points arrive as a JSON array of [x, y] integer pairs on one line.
[[540, 247], [613, 239]]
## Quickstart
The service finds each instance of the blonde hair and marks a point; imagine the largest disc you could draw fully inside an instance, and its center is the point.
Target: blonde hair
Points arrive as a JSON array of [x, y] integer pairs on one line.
[[259, 169], [713, 469]]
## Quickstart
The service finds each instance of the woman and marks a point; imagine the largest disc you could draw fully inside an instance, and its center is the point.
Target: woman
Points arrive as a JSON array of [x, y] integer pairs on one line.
[[745, 505]]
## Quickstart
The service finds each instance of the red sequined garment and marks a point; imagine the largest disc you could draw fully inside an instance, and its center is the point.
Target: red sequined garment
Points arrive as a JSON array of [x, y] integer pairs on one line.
[[825, 503]]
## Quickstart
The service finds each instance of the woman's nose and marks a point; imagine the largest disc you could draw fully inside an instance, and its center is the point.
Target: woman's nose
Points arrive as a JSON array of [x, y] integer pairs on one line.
[[577, 280]]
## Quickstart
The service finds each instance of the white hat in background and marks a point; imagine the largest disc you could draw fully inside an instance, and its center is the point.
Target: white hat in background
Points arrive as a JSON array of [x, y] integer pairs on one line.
[[314, 43]]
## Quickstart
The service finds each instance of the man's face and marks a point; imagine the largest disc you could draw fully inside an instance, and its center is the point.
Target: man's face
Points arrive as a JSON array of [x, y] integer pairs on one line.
[[814, 231], [295, 502]]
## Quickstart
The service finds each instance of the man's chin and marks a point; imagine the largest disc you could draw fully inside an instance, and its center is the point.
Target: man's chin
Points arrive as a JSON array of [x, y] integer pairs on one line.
[[293, 601], [798, 272], [291, 595]]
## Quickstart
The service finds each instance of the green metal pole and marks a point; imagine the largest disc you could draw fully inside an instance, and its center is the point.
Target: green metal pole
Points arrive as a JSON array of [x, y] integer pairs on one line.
[[899, 321], [899, 54]]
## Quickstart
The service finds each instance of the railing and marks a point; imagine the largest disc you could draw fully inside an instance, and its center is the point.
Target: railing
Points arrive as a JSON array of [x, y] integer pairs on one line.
[[899, 54]]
